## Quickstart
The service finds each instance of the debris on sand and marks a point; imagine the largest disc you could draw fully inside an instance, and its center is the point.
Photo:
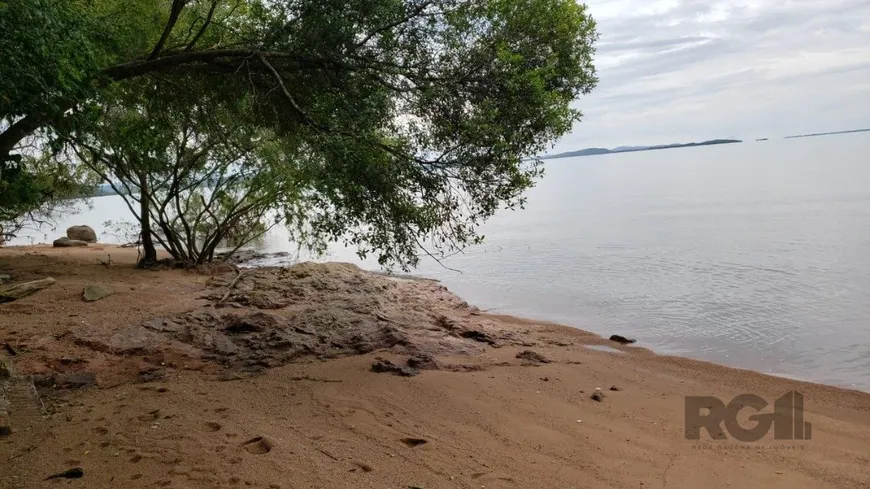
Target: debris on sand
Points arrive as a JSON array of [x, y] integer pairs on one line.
[[533, 357], [622, 340]]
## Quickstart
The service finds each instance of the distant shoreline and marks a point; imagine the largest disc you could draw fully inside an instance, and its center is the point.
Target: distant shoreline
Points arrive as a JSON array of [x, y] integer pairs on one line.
[[826, 133], [604, 151]]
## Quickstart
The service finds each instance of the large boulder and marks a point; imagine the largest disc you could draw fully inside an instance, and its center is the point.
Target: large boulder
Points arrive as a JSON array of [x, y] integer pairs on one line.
[[82, 233], [68, 243]]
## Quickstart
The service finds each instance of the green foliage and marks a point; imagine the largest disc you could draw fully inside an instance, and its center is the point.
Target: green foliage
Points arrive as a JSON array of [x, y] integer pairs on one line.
[[51, 50], [391, 124]]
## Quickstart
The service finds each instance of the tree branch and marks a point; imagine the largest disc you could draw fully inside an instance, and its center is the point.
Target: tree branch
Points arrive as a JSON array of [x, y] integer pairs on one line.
[[177, 7], [414, 13], [205, 25]]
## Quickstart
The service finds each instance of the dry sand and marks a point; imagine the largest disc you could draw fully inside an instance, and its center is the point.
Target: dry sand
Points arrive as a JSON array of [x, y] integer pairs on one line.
[[273, 388]]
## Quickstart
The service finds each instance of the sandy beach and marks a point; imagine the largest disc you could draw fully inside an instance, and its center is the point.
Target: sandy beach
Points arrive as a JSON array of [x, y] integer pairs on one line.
[[205, 379]]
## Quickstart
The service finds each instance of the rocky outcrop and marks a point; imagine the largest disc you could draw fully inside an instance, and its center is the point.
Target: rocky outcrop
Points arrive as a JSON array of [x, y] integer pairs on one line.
[[82, 233], [267, 317], [68, 243]]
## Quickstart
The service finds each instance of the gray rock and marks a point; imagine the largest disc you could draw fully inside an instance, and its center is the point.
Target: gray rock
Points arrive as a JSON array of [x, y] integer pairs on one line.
[[82, 233], [95, 292], [68, 243], [5, 278], [75, 380], [622, 340]]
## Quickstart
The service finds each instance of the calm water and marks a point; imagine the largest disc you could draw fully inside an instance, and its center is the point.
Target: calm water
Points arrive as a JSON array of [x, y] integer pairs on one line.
[[755, 255]]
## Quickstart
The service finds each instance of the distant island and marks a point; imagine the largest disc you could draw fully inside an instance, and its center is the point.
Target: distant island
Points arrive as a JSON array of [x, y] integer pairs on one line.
[[826, 133], [631, 149]]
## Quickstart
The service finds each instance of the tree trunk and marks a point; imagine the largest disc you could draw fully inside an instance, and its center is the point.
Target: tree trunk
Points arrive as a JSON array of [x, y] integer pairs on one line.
[[149, 250]]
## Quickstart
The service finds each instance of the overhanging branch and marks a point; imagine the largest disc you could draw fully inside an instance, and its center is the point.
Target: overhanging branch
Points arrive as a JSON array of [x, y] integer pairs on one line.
[[177, 7]]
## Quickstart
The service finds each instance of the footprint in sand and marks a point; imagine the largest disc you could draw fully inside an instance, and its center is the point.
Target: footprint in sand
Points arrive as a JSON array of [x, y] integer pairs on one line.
[[257, 445]]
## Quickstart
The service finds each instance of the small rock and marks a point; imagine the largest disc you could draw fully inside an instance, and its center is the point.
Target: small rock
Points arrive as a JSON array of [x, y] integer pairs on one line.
[[5, 278], [622, 340], [82, 233], [614, 388], [598, 395], [545, 379], [95, 292], [71, 361], [414, 442], [68, 243], [75, 380], [533, 356], [74, 473]]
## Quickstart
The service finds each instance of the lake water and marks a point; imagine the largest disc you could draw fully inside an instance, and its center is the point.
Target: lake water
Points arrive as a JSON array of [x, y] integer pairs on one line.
[[755, 255]]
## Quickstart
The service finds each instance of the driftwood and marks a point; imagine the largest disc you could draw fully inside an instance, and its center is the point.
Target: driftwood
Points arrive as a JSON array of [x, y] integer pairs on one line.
[[23, 290]]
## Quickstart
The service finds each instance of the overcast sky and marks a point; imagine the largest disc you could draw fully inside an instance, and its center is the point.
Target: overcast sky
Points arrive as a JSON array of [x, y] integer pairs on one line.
[[688, 70]]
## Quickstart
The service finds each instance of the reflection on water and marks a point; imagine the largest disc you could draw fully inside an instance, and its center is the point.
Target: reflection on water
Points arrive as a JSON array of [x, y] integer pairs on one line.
[[755, 255]]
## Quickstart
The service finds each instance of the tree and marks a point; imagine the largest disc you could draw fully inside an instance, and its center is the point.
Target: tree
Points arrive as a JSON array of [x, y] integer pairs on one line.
[[412, 119], [193, 179]]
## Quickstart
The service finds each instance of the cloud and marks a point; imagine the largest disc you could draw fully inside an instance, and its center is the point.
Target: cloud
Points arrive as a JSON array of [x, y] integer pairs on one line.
[[679, 70]]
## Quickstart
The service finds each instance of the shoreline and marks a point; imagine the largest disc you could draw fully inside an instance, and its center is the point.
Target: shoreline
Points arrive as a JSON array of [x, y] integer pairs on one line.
[[127, 253], [166, 382]]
